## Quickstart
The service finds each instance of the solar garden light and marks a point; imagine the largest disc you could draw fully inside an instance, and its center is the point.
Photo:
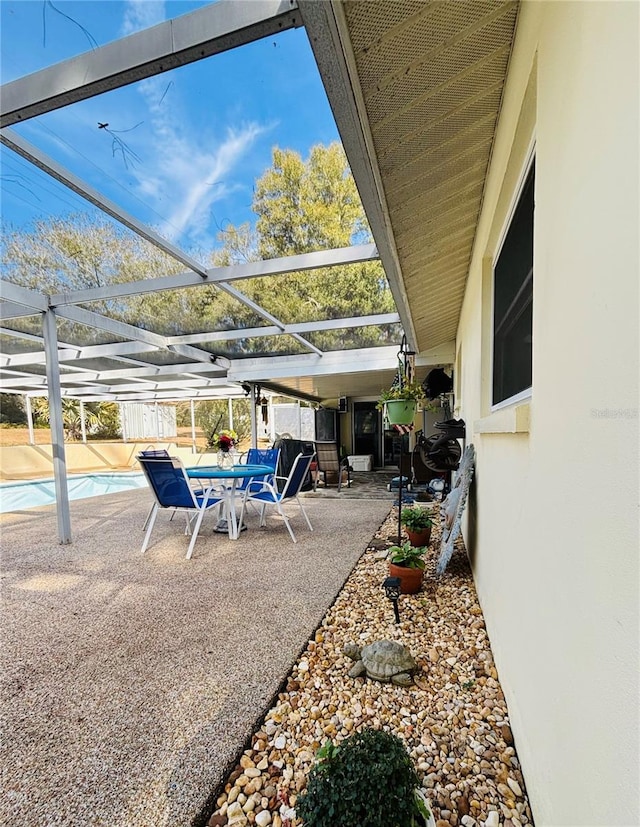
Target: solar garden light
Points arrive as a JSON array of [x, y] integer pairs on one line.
[[391, 587]]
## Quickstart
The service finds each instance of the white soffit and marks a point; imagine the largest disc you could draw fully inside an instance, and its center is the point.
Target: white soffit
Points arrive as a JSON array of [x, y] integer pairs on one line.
[[426, 80]]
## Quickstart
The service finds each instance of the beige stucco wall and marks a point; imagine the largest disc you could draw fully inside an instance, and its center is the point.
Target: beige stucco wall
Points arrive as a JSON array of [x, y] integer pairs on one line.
[[553, 520], [36, 461]]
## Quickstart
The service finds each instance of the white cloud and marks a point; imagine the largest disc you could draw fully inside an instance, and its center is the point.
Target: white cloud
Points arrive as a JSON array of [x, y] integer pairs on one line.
[[187, 168], [140, 14], [184, 170]]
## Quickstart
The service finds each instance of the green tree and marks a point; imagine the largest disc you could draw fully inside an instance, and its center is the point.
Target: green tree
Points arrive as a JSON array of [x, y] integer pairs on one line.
[[101, 418], [108, 426], [300, 206], [78, 252], [12, 410], [212, 416], [303, 206]]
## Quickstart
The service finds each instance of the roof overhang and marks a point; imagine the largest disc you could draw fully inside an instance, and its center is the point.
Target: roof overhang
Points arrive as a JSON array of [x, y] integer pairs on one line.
[[416, 90]]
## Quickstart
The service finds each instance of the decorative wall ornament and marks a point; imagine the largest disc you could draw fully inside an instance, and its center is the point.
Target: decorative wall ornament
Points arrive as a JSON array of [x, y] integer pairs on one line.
[[453, 507]]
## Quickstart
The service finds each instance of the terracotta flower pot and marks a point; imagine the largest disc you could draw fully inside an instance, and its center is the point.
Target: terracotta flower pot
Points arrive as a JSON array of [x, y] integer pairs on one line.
[[410, 579], [419, 538]]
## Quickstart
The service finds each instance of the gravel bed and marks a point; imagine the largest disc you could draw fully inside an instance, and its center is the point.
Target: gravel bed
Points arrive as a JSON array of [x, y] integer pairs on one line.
[[454, 718]]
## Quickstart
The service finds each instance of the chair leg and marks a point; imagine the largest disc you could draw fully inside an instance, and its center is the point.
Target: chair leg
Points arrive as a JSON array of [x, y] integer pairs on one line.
[[194, 535], [146, 522], [151, 520], [189, 517], [304, 513], [286, 522], [241, 518]]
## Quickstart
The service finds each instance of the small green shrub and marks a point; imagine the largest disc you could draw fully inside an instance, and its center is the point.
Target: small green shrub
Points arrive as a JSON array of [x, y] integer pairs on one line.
[[416, 518], [408, 556], [368, 780]]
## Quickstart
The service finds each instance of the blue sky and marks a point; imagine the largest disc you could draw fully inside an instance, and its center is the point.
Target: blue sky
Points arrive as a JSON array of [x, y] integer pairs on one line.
[[182, 150]]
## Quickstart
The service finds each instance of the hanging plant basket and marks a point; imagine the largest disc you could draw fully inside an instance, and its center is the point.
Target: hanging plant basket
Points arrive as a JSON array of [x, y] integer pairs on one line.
[[400, 411]]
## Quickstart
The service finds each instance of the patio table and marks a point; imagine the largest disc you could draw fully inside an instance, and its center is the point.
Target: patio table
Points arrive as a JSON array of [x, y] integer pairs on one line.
[[211, 473]]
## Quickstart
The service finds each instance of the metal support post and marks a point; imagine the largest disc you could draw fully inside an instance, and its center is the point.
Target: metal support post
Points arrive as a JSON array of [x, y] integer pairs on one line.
[[83, 423], [32, 438], [193, 427], [254, 422], [50, 335]]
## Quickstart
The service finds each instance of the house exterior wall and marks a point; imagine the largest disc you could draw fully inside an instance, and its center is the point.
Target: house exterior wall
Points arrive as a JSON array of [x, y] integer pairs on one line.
[[552, 524]]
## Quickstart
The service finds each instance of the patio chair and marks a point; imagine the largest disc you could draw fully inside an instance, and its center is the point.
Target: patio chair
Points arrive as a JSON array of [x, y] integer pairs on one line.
[[171, 488], [329, 462], [151, 453], [266, 493], [260, 456]]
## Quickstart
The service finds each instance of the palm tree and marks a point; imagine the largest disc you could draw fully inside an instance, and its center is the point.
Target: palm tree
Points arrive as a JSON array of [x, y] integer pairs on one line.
[[71, 419]]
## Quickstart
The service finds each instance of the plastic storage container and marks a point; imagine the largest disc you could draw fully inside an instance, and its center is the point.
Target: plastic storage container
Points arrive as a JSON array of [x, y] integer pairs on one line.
[[363, 462]]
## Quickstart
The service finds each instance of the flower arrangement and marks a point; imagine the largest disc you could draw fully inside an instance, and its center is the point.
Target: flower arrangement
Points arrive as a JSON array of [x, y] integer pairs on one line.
[[224, 441]]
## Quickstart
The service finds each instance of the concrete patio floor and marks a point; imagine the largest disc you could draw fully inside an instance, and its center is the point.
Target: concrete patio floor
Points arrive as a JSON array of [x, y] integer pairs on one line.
[[130, 682]]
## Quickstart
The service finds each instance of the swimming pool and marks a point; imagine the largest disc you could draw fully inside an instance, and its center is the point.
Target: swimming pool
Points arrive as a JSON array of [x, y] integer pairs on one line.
[[14, 496]]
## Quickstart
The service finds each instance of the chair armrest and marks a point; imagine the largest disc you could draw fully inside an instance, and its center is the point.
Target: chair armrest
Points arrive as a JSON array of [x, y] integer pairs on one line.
[[257, 487]]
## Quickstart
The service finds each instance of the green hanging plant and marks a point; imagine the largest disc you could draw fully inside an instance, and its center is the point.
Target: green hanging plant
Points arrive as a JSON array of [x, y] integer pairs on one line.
[[408, 391]]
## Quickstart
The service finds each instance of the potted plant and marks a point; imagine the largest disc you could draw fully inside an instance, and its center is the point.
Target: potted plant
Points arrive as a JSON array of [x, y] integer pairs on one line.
[[407, 563], [366, 779], [417, 523], [399, 402]]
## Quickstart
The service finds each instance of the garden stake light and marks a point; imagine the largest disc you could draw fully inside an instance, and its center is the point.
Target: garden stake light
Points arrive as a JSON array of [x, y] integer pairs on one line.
[[392, 589]]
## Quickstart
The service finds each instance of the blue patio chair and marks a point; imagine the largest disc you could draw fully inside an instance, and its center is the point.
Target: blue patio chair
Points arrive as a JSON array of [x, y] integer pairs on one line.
[[260, 456], [151, 453], [154, 454], [266, 493], [170, 485]]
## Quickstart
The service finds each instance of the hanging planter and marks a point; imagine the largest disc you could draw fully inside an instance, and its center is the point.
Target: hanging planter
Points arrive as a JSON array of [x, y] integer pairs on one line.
[[400, 402], [400, 411]]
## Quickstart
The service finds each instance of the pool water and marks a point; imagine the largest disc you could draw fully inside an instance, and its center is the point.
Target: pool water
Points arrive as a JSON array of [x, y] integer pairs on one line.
[[14, 496]]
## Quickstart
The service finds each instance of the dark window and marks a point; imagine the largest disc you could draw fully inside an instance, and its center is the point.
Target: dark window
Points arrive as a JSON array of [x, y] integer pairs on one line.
[[513, 302]]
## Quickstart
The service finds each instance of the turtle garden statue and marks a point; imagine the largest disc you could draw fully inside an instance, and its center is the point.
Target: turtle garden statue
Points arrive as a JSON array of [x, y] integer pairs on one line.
[[384, 660]]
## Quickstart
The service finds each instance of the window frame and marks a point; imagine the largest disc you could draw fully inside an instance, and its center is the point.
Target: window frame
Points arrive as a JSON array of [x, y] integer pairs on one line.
[[526, 393]]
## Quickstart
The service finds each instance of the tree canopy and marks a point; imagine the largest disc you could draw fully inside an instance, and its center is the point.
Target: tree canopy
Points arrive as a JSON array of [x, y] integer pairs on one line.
[[300, 206]]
